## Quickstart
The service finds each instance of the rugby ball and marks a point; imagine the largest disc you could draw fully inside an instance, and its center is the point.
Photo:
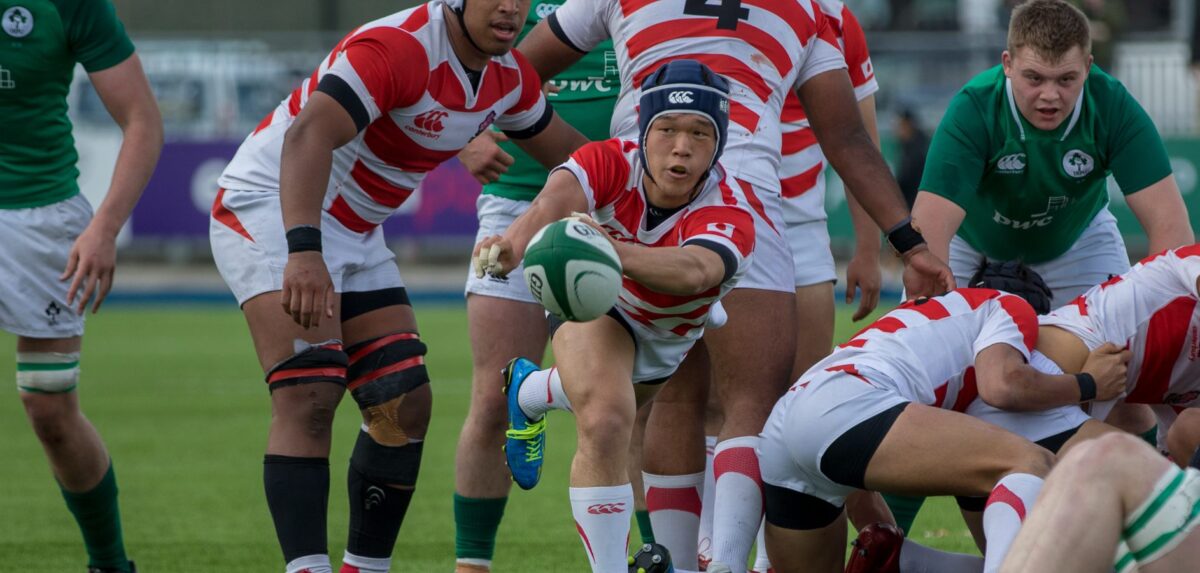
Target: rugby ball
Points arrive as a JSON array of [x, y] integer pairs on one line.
[[573, 270]]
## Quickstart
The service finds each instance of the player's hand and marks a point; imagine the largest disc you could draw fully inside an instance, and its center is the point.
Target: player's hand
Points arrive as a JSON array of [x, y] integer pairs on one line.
[[494, 256], [925, 274], [307, 292], [90, 266], [863, 274], [549, 88], [484, 159], [1107, 365]]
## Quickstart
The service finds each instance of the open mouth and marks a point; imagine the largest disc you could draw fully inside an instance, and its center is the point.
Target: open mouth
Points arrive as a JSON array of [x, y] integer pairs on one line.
[[677, 171], [504, 31], [1048, 113]]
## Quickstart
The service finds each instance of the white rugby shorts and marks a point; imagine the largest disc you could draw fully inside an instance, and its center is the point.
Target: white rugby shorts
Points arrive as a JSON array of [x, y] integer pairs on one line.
[[1098, 254], [811, 257], [771, 264], [496, 214], [813, 414], [250, 248], [37, 242]]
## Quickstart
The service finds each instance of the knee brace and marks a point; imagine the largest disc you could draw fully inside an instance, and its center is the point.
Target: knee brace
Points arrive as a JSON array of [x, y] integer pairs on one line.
[[381, 372], [386, 464], [322, 362], [47, 372]]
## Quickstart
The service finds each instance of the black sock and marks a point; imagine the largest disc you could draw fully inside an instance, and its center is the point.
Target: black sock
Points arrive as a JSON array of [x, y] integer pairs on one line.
[[376, 508], [298, 496]]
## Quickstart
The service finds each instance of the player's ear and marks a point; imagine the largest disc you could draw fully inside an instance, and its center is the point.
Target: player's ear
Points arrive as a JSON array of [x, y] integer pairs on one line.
[[1006, 62]]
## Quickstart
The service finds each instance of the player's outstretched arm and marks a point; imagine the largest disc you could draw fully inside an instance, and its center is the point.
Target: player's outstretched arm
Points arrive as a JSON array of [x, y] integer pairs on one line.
[[306, 160], [1007, 382], [126, 95], [1161, 211], [939, 219], [498, 255], [686, 270]]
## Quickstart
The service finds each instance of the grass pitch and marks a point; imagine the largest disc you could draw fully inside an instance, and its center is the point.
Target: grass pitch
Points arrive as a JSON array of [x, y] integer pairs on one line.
[[178, 397]]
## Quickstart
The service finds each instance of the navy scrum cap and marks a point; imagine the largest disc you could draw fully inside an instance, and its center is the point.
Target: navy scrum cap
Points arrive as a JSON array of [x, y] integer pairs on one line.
[[685, 86]]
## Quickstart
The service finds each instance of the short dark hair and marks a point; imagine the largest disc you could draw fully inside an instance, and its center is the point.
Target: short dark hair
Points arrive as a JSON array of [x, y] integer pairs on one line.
[[1050, 27]]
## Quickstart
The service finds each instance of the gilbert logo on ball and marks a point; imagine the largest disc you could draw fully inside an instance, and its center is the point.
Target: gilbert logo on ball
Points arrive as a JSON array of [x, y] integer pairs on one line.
[[573, 270]]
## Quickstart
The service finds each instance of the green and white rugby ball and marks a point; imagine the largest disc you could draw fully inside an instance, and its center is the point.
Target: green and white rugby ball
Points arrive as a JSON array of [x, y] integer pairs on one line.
[[573, 270]]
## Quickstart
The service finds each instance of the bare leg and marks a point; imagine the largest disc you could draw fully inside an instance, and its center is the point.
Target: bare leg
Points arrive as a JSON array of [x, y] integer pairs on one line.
[[1184, 437], [816, 550]]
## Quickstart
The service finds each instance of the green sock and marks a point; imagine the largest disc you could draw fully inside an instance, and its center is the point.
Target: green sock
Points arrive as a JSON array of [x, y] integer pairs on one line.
[[904, 509], [643, 520], [99, 519], [1151, 437], [476, 521]]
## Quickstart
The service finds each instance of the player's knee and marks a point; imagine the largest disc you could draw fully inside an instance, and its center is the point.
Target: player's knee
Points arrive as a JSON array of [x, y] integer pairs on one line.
[[605, 428], [1034, 460], [389, 382], [312, 381], [48, 416], [1098, 453], [47, 372]]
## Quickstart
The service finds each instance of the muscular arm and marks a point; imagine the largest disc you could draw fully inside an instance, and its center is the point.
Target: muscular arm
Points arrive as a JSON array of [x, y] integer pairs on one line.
[[1162, 213], [554, 145], [548, 54], [838, 125], [561, 196], [686, 270], [307, 158], [939, 219], [1007, 382]]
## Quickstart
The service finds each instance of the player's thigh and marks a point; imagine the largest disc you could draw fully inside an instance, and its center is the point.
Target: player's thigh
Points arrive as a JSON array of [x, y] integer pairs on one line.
[[815, 550], [814, 317], [37, 242], [752, 354], [275, 334], [930, 451], [595, 360], [1090, 430]]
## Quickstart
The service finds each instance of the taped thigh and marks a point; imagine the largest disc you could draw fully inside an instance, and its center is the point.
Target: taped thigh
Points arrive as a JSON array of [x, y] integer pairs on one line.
[[1163, 521], [381, 372], [322, 362], [47, 372]]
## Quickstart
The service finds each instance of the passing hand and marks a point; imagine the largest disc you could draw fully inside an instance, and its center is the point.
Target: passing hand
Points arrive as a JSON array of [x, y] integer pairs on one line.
[[494, 256]]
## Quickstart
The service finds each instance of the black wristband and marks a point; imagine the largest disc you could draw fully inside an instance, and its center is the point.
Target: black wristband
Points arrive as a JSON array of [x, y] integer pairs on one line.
[[303, 238], [904, 237], [1087, 386]]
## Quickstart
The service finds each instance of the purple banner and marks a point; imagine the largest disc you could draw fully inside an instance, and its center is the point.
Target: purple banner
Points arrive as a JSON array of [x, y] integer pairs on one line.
[[179, 197]]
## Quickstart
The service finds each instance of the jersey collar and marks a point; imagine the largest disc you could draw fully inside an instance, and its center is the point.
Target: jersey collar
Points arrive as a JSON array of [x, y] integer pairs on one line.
[[1020, 121]]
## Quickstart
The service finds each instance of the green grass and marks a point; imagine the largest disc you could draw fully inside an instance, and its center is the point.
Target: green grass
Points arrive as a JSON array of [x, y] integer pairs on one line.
[[179, 399]]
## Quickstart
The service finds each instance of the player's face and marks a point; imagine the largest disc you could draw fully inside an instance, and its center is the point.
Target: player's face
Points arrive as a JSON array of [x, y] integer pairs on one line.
[[679, 148], [1045, 90], [494, 24]]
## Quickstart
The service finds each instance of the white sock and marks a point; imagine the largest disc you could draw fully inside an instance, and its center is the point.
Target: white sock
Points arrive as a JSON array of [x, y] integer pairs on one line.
[[1010, 500], [761, 561], [738, 502], [367, 564], [674, 506], [310, 564], [602, 518], [704, 543], [541, 392], [917, 558]]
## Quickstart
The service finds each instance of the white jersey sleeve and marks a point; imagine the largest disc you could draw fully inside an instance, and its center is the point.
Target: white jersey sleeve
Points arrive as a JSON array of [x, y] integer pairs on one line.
[[583, 23], [823, 53], [1010, 321]]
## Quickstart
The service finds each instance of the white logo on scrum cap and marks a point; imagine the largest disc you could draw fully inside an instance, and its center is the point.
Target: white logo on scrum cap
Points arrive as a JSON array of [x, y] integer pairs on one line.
[[680, 97]]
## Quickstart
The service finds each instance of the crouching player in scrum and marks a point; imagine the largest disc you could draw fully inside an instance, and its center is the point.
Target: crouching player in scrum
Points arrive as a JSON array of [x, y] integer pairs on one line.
[[860, 419], [683, 231]]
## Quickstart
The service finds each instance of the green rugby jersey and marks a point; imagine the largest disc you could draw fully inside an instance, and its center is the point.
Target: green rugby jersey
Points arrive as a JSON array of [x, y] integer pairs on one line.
[[40, 43], [587, 93], [1029, 194]]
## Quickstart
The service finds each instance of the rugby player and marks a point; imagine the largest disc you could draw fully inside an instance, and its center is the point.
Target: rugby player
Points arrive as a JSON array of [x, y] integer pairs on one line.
[[58, 259], [296, 225], [683, 229]]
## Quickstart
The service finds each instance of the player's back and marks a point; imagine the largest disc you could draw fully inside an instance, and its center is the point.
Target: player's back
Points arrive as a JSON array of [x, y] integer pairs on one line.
[[924, 343], [764, 48]]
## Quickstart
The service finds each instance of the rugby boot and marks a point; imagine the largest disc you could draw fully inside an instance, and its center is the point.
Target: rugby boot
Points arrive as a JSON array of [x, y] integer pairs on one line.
[[651, 558], [877, 550], [526, 439], [132, 569]]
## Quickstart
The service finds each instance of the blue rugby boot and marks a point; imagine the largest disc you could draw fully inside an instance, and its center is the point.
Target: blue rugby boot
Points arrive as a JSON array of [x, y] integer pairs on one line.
[[526, 438]]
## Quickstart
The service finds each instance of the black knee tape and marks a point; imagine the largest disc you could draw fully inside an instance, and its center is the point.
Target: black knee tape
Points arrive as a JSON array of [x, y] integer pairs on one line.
[[791, 509], [324, 362], [383, 464], [386, 367], [969, 503]]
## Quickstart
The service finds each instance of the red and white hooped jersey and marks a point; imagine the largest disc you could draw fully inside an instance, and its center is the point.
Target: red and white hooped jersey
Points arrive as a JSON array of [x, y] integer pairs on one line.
[[1152, 310], [422, 111], [924, 343], [765, 48], [802, 168], [611, 175]]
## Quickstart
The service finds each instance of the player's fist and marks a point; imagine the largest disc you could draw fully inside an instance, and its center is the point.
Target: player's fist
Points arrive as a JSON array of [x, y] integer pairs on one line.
[[925, 274], [307, 291], [484, 159], [1108, 366], [494, 256]]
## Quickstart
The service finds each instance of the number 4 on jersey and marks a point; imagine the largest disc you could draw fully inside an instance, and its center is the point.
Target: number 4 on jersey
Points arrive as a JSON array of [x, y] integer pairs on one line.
[[727, 12]]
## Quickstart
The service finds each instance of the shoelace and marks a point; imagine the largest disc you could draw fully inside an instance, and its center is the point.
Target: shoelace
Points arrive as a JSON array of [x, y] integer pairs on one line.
[[533, 434]]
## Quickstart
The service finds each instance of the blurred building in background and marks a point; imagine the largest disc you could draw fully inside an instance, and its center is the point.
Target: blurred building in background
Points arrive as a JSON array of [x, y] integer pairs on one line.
[[219, 66]]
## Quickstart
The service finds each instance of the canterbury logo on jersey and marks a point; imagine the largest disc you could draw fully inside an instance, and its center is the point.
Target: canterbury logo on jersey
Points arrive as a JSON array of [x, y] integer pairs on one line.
[[606, 508], [1014, 163], [680, 97], [428, 124]]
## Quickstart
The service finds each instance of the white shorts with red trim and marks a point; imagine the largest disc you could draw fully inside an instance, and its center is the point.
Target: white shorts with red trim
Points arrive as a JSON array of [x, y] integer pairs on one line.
[[496, 214], [657, 355], [771, 262], [1032, 426], [813, 414], [250, 248]]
